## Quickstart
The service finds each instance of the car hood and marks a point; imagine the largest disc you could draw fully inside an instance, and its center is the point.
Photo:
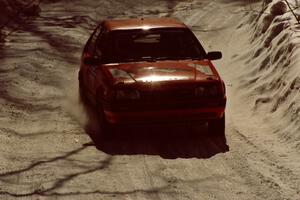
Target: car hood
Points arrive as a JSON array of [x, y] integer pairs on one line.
[[162, 71]]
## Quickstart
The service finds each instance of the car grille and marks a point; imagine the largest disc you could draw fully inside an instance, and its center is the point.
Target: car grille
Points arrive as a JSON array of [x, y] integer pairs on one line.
[[168, 94], [166, 99], [159, 104]]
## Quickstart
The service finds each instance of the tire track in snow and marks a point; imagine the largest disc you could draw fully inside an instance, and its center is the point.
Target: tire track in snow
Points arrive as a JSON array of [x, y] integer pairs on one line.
[[150, 177], [272, 174]]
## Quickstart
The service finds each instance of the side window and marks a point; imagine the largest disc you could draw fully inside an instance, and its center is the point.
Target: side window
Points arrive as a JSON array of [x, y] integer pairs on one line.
[[101, 46], [90, 48]]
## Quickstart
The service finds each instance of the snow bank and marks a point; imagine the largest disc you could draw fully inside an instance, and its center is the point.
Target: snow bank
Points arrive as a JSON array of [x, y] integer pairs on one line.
[[11, 10], [271, 74]]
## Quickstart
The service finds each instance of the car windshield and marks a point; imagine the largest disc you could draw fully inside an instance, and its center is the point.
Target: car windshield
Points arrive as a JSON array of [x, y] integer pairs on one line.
[[151, 45]]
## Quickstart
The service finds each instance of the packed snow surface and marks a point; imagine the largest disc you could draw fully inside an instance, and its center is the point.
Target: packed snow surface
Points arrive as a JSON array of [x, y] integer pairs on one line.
[[45, 150]]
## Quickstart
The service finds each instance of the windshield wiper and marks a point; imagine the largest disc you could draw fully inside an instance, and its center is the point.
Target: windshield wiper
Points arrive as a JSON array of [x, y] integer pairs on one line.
[[193, 58], [154, 59], [139, 59], [182, 58], [149, 58]]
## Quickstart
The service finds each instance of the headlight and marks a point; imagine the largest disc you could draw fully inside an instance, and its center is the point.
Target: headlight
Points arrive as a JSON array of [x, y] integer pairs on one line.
[[127, 94], [207, 90]]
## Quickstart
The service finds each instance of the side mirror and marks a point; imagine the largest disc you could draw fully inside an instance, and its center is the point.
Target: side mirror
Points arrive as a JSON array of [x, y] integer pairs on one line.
[[214, 55], [91, 61]]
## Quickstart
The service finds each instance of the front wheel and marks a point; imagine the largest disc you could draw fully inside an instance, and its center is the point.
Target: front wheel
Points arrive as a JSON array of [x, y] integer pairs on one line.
[[82, 97], [217, 127], [102, 132], [105, 128]]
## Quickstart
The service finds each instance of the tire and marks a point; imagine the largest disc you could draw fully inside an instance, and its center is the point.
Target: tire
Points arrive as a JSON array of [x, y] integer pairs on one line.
[[105, 128], [217, 127], [102, 132], [104, 124], [82, 97]]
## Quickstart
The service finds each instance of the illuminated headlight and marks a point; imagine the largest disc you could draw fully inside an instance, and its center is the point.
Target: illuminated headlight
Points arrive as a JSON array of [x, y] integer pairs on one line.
[[127, 94], [211, 90]]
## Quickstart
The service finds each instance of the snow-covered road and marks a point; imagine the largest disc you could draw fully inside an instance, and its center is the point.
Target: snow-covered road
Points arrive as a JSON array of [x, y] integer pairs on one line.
[[46, 153]]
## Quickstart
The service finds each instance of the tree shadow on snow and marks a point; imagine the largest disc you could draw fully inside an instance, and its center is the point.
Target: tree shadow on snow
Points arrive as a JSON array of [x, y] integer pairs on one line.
[[169, 141], [57, 183]]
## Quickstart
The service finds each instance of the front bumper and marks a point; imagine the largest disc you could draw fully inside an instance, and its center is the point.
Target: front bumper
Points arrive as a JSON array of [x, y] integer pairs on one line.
[[174, 115]]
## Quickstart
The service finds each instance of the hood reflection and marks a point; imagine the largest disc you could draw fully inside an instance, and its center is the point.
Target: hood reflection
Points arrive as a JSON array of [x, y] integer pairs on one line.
[[155, 78]]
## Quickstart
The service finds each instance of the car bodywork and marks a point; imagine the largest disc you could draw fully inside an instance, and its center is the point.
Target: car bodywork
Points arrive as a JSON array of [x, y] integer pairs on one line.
[[174, 83]]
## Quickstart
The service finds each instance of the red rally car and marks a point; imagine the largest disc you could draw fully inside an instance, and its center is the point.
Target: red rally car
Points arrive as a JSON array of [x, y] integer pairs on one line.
[[151, 70]]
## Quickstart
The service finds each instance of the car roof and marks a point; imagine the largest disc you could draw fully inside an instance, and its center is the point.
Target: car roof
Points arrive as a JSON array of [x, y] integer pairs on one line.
[[142, 23]]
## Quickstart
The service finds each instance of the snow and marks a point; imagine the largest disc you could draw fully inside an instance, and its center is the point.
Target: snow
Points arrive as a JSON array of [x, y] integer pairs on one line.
[[270, 74], [46, 153], [15, 11], [11, 8]]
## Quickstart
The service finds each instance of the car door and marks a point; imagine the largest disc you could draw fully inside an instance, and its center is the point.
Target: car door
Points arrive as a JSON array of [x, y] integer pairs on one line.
[[94, 70], [90, 70]]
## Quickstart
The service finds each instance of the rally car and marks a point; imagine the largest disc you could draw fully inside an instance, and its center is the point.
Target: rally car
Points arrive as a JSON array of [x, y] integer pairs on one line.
[[151, 70]]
